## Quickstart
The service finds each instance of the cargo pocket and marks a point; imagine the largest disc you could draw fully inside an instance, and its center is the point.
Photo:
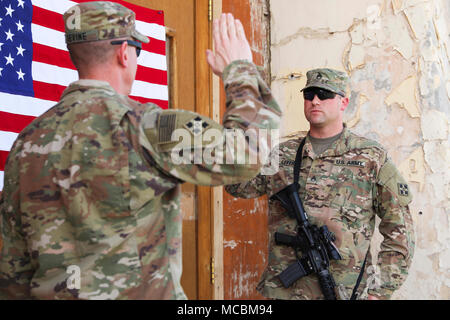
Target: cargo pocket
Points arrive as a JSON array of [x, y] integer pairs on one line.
[[356, 235]]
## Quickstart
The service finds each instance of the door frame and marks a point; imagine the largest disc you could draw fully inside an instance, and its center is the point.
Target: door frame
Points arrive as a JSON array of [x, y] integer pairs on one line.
[[203, 97]]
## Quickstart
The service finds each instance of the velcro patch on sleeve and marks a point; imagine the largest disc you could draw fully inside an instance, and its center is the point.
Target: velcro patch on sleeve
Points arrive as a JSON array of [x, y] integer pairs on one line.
[[166, 125], [391, 178]]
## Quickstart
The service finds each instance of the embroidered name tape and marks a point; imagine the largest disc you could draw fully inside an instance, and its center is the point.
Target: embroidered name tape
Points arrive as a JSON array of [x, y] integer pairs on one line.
[[287, 162], [353, 163]]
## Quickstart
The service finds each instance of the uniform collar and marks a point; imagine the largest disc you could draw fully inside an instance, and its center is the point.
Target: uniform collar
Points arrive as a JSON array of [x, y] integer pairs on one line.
[[340, 146], [84, 84]]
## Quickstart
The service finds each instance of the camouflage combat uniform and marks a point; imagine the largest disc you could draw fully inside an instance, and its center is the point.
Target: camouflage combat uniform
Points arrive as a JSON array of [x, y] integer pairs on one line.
[[345, 187], [92, 183]]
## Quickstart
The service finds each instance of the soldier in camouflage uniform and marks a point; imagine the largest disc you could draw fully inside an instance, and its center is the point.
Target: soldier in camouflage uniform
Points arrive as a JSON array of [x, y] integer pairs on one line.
[[91, 186], [345, 181]]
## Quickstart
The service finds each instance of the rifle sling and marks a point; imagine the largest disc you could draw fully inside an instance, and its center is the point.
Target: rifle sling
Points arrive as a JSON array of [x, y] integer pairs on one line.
[[358, 281], [298, 161], [297, 165]]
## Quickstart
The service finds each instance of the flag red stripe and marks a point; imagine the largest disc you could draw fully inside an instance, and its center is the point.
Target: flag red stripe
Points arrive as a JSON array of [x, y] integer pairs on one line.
[[155, 46], [60, 58], [53, 92], [142, 13], [48, 19], [14, 122], [47, 91], [164, 104], [3, 156], [151, 75], [50, 55], [54, 20]]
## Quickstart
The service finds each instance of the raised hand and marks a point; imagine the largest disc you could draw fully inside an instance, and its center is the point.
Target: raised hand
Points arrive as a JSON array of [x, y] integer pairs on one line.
[[230, 43]]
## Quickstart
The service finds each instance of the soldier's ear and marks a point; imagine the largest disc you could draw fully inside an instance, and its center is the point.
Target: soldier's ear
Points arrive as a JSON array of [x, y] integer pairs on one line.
[[123, 57], [344, 103]]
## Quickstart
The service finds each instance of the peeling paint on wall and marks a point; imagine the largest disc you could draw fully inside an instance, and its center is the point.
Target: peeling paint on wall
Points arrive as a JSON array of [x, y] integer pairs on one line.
[[413, 168], [397, 53], [405, 96], [353, 121]]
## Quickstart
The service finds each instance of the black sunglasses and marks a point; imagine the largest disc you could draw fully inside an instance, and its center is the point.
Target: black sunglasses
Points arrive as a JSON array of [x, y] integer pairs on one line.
[[322, 94], [136, 44]]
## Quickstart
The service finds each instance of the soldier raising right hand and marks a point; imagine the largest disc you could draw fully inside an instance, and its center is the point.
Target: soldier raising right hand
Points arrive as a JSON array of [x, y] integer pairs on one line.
[[94, 182]]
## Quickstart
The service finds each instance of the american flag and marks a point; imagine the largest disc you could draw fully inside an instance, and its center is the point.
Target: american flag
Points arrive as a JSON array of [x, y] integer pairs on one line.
[[35, 66]]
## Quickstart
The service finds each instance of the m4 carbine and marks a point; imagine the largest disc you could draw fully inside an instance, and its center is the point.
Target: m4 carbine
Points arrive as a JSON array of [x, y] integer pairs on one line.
[[316, 245]]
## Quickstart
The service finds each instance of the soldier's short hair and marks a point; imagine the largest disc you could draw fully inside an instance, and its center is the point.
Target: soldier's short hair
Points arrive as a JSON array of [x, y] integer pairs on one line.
[[89, 54]]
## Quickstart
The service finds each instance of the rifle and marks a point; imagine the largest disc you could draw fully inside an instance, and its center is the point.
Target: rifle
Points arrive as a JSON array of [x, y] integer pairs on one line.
[[316, 244]]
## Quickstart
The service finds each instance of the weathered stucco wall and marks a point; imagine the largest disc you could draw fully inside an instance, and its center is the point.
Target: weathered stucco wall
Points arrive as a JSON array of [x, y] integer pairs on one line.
[[397, 54]]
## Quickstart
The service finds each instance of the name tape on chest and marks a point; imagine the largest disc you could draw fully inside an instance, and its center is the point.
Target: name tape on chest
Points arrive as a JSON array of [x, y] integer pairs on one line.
[[353, 163], [339, 162]]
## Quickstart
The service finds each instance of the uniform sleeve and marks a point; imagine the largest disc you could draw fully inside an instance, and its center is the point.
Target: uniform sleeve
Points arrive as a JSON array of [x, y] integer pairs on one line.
[[15, 267], [397, 249], [254, 188], [196, 149]]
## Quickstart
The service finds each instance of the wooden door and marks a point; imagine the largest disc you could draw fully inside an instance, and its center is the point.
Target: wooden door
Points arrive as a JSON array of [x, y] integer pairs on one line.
[[245, 237], [187, 38]]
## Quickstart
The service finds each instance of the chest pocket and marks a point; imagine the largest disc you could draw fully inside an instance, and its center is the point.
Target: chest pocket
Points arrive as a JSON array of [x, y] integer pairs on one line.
[[352, 192]]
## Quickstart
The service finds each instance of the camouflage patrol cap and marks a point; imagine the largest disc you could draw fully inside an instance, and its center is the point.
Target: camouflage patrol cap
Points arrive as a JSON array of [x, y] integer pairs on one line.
[[329, 79], [100, 20]]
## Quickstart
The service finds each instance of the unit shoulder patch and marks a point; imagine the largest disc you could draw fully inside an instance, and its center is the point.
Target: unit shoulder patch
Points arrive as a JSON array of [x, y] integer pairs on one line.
[[391, 178], [403, 189], [184, 129], [196, 125]]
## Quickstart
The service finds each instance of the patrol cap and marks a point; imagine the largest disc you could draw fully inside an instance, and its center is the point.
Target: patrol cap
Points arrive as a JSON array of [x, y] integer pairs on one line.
[[100, 20], [329, 79]]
